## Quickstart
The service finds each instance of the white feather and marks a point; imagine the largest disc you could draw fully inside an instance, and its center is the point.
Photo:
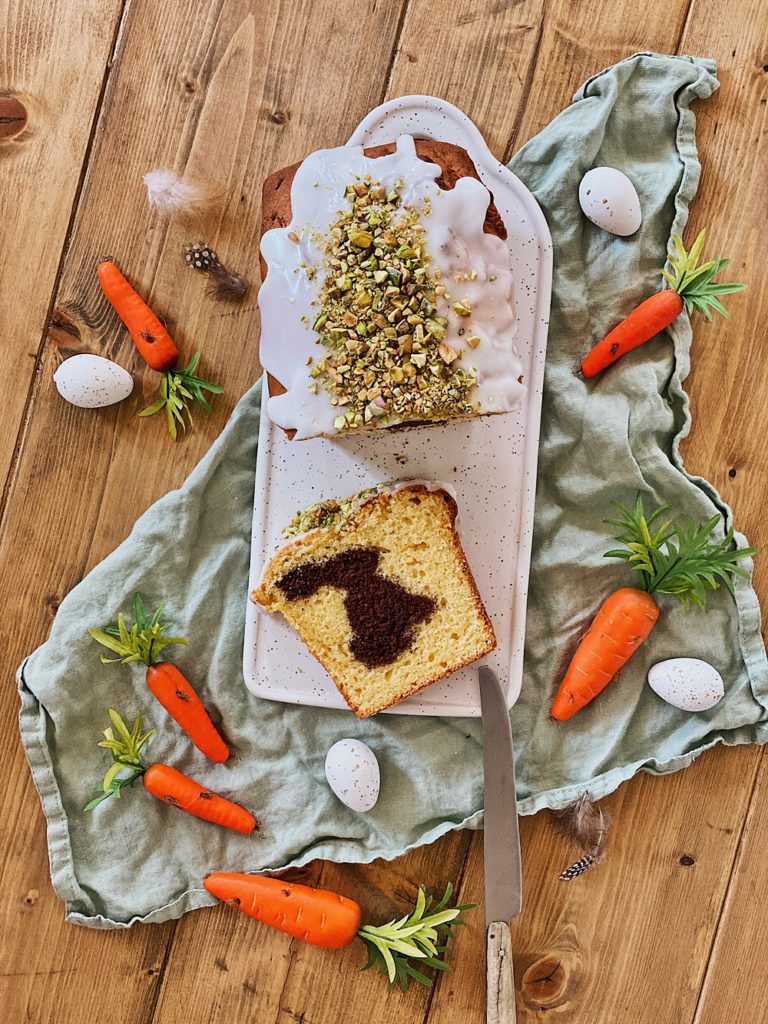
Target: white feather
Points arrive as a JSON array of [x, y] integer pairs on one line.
[[167, 193]]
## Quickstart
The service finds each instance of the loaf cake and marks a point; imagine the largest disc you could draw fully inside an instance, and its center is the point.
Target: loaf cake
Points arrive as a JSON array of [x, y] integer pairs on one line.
[[378, 588], [387, 294]]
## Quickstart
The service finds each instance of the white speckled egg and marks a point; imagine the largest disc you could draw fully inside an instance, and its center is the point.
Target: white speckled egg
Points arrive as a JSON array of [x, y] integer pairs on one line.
[[610, 200], [353, 774], [91, 382], [687, 683]]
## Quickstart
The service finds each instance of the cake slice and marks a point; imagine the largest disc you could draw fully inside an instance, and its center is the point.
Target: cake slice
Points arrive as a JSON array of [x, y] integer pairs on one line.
[[378, 588]]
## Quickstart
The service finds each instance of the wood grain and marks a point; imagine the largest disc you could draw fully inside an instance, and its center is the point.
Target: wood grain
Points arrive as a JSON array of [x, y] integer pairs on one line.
[[227, 92], [500, 986], [49, 95], [734, 988], [487, 54], [727, 385]]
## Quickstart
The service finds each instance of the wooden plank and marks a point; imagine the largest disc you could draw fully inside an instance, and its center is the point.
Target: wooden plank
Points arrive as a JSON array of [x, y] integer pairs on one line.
[[487, 56], [734, 988], [729, 375], [599, 944], [730, 421], [385, 891], [579, 41], [49, 91], [57, 87], [228, 91]]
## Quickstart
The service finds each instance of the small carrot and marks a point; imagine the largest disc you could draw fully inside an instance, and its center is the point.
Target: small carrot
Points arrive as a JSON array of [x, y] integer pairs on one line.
[[316, 916], [623, 621], [181, 702], [671, 558], [162, 781], [179, 388], [149, 336], [144, 641], [177, 789], [691, 287], [401, 949]]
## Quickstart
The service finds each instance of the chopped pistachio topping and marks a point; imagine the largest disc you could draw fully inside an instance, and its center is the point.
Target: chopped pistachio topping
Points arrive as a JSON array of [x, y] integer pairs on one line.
[[331, 512], [386, 360]]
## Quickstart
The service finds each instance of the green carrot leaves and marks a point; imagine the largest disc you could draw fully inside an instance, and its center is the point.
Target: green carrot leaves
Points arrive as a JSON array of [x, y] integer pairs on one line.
[[423, 935], [142, 642], [125, 747], [676, 558], [695, 284], [178, 389]]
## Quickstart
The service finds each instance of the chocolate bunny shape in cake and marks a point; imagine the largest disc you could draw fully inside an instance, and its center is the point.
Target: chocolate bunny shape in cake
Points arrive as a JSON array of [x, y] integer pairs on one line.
[[382, 614]]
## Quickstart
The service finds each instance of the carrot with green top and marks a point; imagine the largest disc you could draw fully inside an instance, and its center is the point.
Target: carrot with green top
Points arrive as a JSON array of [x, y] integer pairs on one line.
[[162, 781], [401, 949], [691, 287], [671, 558], [178, 388], [145, 641]]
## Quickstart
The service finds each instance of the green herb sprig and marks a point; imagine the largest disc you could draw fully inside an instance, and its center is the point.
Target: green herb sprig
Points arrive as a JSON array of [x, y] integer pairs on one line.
[[695, 284], [178, 389], [125, 746], [676, 558], [423, 936], [142, 642]]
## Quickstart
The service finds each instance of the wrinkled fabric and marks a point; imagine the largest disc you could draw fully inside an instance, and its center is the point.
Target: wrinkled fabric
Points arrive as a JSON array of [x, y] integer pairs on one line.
[[138, 860]]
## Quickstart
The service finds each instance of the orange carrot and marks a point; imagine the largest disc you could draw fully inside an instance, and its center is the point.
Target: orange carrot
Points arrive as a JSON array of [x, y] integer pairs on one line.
[[144, 642], [401, 949], [314, 915], [624, 620], [183, 705], [177, 789], [162, 781], [691, 287], [671, 558], [149, 335], [642, 324]]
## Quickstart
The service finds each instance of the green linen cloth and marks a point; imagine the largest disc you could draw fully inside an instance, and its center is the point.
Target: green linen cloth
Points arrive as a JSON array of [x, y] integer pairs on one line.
[[138, 860]]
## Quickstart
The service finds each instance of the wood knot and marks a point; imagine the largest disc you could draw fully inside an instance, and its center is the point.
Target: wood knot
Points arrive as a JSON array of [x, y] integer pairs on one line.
[[64, 330], [13, 118], [278, 117], [687, 861], [188, 84], [544, 983]]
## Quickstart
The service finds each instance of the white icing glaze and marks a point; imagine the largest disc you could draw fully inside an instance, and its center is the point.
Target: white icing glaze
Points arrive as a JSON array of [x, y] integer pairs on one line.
[[454, 239]]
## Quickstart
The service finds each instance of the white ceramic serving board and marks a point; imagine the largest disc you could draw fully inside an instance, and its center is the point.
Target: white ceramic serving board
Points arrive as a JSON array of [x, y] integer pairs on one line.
[[490, 461]]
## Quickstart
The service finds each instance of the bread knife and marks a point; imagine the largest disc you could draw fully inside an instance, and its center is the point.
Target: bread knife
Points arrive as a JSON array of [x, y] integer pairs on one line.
[[501, 849]]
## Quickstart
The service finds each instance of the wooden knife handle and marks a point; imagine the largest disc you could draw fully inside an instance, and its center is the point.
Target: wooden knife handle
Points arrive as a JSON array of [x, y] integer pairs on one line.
[[500, 998]]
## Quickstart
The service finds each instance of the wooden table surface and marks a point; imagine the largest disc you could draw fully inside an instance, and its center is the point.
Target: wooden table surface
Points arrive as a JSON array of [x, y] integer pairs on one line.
[[672, 929]]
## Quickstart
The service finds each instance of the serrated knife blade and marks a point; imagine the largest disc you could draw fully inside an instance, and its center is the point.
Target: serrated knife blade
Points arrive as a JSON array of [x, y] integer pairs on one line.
[[501, 848]]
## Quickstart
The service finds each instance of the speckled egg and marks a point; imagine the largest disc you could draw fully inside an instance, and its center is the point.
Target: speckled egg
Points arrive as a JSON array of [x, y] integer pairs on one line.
[[353, 774], [609, 199], [687, 683], [91, 382]]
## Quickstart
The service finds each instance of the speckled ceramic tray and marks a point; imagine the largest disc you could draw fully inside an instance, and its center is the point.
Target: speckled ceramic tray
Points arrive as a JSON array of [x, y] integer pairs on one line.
[[490, 461]]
